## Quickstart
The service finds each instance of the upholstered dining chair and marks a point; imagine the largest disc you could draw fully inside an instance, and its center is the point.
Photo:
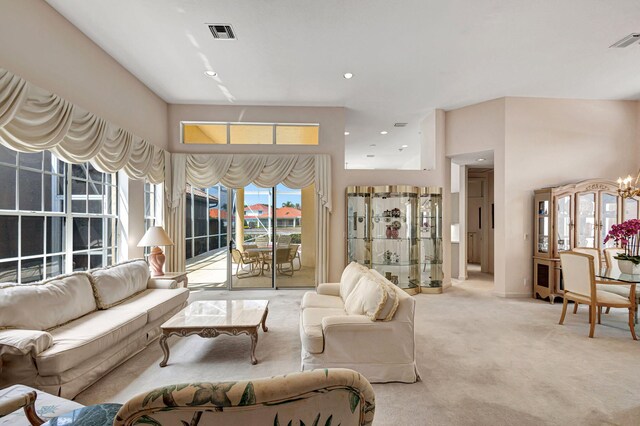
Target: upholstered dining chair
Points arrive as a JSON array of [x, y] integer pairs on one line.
[[622, 290], [597, 264], [580, 287]]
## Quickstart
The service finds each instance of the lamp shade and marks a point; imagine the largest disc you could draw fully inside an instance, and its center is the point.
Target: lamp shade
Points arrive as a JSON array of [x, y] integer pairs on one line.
[[155, 236]]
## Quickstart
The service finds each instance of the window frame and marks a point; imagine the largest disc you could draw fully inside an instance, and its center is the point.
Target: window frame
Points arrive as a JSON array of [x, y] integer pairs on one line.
[[229, 124], [60, 170]]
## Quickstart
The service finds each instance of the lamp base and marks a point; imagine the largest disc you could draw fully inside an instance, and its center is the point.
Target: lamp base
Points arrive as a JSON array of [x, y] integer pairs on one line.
[[156, 261]]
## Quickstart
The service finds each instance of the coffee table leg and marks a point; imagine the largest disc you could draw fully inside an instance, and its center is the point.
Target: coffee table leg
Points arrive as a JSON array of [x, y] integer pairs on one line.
[[165, 350], [254, 343], [264, 320]]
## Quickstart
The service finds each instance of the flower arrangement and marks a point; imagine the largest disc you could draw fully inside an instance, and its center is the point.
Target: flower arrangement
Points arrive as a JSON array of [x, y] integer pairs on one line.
[[628, 235]]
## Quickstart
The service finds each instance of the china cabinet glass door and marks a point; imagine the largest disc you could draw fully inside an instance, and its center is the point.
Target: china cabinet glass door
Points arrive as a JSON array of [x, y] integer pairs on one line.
[[430, 224], [630, 208], [358, 219], [563, 223], [608, 216], [394, 235], [543, 226], [586, 215]]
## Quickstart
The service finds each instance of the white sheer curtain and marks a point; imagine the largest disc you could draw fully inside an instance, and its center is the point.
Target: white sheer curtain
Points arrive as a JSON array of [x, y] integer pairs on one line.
[[237, 171], [33, 119]]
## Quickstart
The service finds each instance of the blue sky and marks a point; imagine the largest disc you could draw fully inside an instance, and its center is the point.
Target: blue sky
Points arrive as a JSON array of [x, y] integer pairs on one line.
[[255, 195]]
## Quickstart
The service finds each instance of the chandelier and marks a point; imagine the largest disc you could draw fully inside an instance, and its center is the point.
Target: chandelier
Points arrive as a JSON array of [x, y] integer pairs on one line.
[[626, 189]]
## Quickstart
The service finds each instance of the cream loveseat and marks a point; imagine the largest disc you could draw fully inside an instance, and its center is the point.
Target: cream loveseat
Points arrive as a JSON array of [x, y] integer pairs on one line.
[[364, 323], [65, 333]]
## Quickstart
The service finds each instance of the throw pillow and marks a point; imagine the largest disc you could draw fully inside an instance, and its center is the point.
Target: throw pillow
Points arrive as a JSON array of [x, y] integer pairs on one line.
[[367, 298], [350, 277]]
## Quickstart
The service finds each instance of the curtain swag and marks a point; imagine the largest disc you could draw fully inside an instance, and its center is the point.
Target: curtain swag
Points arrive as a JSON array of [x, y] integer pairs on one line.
[[34, 120], [237, 171]]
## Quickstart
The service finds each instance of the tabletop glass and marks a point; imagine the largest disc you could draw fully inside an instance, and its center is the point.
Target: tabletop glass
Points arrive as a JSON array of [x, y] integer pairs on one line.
[[614, 274], [221, 313]]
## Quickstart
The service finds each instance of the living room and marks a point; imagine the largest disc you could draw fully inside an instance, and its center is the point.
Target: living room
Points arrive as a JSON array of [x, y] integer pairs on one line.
[[531, 96]]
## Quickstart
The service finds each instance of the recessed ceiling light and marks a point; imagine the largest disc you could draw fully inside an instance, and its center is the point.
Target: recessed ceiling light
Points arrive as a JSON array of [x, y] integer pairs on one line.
[[384, 132], [210, 73], [348, 75], [346, 133], [480, 159], [405, 146]]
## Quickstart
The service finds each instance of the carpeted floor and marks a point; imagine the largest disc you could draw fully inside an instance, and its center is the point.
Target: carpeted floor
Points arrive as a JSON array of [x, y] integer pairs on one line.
[[483, 361]]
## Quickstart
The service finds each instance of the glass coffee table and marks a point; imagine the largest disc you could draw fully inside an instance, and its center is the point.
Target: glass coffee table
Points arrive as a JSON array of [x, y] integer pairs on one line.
[[211, 318]]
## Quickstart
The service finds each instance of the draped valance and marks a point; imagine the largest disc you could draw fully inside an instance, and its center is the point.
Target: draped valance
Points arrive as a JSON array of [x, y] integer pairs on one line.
[[239, 170], [33, 119]]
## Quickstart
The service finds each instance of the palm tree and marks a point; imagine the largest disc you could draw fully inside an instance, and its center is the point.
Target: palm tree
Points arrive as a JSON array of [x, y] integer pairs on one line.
[[287, 204]]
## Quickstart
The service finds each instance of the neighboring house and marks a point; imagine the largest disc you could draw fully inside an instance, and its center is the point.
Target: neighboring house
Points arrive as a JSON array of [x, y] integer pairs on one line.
[[286, 217]]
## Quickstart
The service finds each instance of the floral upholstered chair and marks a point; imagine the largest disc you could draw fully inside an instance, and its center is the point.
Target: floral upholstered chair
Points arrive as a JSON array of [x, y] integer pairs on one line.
[[319, 397]]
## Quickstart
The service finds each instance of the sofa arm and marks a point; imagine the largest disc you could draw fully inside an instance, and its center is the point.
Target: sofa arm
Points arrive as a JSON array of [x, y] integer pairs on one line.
[[353, 339], [330, 289], [24, 342], [162, 283]]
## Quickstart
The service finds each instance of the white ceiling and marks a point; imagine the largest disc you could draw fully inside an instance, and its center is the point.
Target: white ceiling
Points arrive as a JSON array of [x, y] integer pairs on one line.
[[471, 159], [408, 57]]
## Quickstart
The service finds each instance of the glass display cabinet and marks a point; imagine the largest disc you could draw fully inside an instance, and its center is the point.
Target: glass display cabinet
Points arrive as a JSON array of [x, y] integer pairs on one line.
[[397, 230], [570, 216], [358, 221], [430, 223]]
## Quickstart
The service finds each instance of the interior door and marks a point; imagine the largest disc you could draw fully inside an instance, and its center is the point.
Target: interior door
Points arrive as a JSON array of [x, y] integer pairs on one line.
[[586, 219], [474, 229]]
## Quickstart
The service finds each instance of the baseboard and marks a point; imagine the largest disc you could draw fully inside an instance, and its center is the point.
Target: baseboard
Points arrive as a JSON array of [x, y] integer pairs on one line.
[[512, 295]]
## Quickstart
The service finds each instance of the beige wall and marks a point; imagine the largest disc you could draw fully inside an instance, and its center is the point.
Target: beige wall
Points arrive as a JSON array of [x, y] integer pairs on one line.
[[537, 143], [476, 128], [41, 46], [332, 124], [556, 141]]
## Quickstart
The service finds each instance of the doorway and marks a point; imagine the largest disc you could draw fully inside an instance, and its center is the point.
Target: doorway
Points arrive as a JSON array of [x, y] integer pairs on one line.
[[472, 217]]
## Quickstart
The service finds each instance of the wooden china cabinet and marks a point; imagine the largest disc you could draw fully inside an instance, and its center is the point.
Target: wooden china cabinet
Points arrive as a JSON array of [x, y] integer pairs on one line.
[[569, 216]]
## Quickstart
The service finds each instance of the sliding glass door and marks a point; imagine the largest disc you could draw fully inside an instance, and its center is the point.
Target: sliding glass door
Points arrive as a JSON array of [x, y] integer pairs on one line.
[[250, 238]]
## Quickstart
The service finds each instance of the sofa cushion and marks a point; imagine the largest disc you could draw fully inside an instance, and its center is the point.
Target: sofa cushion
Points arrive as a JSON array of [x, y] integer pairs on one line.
[[314, 300], [24, 342], [367, 298], [41, 306], [393, 299], [350, 277], [156, 303], [116, 283], [311, 327], [86, 337]]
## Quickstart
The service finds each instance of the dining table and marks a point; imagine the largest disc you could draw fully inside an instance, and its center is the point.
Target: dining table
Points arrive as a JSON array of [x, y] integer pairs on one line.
[[614, 276], [262, 253]]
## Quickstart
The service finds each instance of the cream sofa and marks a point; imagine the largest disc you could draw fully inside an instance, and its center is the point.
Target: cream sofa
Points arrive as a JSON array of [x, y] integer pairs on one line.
[[63, 334], [364, 323]]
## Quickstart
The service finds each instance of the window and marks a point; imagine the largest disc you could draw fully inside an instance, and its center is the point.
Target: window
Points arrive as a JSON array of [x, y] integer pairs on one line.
[[206, 219], [250, 133], [152, 214], [55, 217]]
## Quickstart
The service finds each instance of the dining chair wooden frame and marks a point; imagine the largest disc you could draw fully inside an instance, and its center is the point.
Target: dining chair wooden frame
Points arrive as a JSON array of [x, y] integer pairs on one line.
[[572, 277]]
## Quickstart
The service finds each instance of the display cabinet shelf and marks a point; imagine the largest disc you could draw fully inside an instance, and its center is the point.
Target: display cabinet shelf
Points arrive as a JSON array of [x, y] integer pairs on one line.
[[397, 230]]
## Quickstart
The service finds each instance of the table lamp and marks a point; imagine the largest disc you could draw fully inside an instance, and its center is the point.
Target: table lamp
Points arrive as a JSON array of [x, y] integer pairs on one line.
[[156, 236]]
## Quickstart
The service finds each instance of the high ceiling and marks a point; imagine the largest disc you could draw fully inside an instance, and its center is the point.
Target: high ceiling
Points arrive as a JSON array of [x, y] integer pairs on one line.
[[407, 57]]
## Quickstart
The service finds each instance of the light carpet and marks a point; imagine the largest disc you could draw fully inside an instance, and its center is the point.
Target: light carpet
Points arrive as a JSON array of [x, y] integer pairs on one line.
[[483, 361]]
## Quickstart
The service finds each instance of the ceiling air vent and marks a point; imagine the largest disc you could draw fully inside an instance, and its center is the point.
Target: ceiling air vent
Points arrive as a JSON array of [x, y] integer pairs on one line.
[[399, 124], [370, 155], [222, 31], [627, 41]]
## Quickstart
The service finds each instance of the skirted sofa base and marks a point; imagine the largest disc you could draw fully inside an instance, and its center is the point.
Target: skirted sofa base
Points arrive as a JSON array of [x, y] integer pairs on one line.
[[90, 323]]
